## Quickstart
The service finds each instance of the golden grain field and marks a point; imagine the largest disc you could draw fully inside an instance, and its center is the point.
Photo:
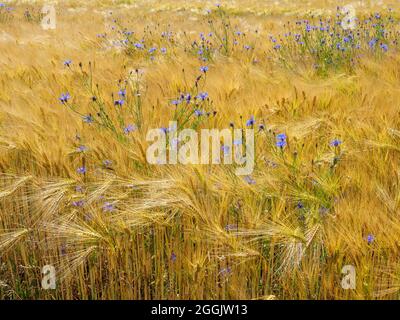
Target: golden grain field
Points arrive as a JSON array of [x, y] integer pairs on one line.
[[76, 190]]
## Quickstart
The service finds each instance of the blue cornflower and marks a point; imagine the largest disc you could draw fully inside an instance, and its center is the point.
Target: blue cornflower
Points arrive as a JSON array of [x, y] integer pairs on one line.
[[129, 128], [372, 43], [281, 137], [204, 69], [249, 180], [79, 203], [335, 143], [88, 118], [175, 102], [139, 45], [119, 102], [122, 93], [384, 47], [82, 148], [108, 207], [202, 96], [163, 50], [250, 122], [173, 257], [225, 271], [198, 112], [64, 97], [107, 162], [300, 205], [281, 143], [370, 238], [225, 149], [281, 140], [81, 170], [67, 63]]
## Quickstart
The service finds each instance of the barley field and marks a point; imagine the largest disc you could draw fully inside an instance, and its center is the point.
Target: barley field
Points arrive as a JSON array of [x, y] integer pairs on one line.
[[317, 81]]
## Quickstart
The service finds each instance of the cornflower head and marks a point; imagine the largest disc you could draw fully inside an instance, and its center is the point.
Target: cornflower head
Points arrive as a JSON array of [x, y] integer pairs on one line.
[[176, 102], [64, 97], [198, 112], [204, 69], [249, 180], [335, 143], [129, 128], [119, 102], [88, 119], [108, 207], [225, 149], [202, 96], [107, 163], [281, 143], [81, 170], [122, 93], [67, 63], [250, 122], [300, 205], [372, 43], [281, 140], [82, 149], [79, 203]]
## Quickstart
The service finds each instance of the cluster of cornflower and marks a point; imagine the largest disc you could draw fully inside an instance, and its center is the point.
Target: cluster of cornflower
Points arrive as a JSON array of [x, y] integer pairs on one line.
[[140, 46], [5, 12], [331, 43], [203, 48], [102, 115], [197, 101]]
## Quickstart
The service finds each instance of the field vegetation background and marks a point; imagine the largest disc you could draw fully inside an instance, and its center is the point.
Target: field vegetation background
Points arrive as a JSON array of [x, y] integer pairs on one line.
[[76, 191]]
